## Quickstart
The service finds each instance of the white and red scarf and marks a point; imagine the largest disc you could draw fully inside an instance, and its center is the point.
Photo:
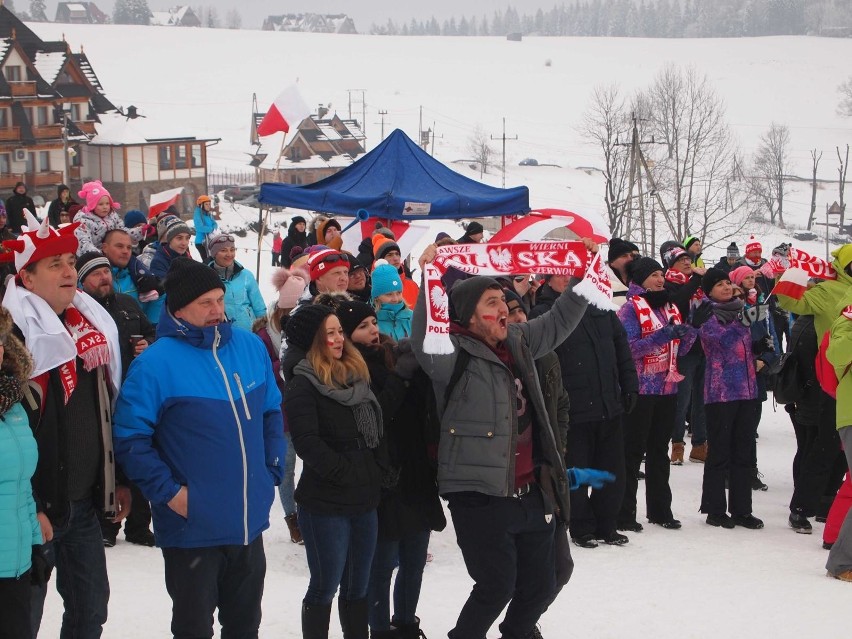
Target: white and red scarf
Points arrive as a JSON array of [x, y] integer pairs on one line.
[[681, 278], [797, 258], [509, 258], [92, 348], [664, 360]]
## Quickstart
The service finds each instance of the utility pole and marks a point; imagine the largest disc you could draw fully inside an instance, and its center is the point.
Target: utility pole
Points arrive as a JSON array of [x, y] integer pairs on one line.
[[363, 110], [639, 165], [504, 138], [383, 114]]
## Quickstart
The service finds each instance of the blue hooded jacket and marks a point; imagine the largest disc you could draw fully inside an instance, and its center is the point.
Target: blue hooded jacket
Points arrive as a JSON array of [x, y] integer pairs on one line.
[[200, 408], [204, 224]]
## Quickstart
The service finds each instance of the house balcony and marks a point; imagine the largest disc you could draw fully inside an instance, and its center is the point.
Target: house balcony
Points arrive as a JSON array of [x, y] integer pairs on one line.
[[9, 180], [11, 133], [86, 126], [49, 178], [26, 89], [47, 132]]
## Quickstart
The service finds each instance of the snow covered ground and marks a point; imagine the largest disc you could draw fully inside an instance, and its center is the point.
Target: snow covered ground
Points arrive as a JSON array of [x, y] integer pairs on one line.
[[696, 582]]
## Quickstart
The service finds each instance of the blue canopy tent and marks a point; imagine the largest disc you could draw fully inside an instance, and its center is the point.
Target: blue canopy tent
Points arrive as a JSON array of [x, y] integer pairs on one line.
[[399, 181]]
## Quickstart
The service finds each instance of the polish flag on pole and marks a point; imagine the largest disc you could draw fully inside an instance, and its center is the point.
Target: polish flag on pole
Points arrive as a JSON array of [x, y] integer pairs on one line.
[[162, 200], [792, 284], [288, 110]]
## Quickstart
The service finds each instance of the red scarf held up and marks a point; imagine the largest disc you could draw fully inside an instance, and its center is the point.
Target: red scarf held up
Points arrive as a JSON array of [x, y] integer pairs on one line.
[[664, 360], [92, 348]]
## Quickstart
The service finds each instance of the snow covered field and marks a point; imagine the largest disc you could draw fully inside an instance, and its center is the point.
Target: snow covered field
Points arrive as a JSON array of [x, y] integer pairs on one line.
[[696, 582]]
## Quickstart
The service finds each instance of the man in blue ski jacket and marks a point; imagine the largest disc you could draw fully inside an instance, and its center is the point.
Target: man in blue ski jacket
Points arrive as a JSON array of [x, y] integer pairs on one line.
[[198, 428]]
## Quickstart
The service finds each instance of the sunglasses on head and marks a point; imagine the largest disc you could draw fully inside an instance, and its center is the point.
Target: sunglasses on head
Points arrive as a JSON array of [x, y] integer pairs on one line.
[[519, 278], [333, 259]]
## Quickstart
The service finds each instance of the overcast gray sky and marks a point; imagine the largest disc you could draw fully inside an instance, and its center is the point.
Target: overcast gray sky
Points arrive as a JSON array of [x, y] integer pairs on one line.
[[364, 12]]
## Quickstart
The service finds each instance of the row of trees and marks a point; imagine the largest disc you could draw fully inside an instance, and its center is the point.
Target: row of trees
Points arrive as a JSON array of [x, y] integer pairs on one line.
[[135, 12], [645, 18], [674, 137]]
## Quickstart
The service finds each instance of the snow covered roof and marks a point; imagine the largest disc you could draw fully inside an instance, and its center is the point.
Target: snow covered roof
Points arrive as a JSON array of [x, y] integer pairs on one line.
[[116, 129], [313, 162], [169, 18], [89, 72], [5, 43], [329, 131], [75, 6], [49, 64]]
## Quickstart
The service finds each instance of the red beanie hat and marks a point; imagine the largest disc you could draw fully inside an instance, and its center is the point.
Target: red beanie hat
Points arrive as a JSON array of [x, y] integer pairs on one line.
[[753, 245]]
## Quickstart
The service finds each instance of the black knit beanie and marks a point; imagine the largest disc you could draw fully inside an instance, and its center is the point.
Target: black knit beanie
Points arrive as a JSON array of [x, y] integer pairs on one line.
[[712, 277], [464, 296], [187, 280], [639, 270], [619, 247], [88, 262], [473, 228], [302, 326], [352, 313]]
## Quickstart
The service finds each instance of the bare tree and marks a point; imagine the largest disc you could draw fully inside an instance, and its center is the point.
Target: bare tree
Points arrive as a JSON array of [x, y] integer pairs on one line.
[[696, 174], [771, 168], [841, 186], [233, 20], [606, 123], [480, 150], [845, 91], [815, 160]]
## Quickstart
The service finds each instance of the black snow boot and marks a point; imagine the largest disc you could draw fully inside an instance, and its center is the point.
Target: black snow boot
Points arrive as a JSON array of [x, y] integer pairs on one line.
[[410, 630], [353, 618], [315, 620], [393, 633]]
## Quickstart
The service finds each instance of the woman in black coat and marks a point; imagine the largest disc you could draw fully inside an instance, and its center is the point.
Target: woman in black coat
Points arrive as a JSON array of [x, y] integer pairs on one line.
[[296, 236], [410, 508], [336, 427]]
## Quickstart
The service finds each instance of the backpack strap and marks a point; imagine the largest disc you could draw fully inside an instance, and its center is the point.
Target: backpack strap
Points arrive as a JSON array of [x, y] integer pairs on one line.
[[462, 360]]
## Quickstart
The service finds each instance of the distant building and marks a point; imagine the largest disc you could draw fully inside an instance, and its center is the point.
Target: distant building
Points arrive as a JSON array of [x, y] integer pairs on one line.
[[80, 13], [319, 147], [175, 17], [310, 23], [58, 127]]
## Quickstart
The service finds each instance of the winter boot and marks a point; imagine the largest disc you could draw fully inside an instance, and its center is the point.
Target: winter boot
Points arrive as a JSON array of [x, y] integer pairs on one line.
[[393, 633], [315, 620], [756, 483], [677, 454], [800, 523], [698, 453], [293, 526], [410, 630], [353, 618]]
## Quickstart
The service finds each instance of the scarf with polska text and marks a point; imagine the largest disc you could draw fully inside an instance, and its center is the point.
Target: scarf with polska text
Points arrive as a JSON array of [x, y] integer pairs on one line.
[[92, 348], [664, 360], [797, 258], [677, 277], [508, 258]]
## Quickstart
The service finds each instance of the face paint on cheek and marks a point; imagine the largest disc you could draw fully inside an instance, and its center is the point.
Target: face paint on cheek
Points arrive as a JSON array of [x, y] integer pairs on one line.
[[490, 318]]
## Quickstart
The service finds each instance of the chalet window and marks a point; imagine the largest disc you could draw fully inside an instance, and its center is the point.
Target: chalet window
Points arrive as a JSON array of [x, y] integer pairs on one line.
[[5, 163], [31, 159], [44, 161], [196, 155], [180, 156], [4, 119], [77, 158], [165, 158], [13, 73], [40, 116], [296, 154], [77, 112]]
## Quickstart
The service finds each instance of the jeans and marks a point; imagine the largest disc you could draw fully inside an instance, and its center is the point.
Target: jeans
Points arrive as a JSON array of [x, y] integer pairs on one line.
[[508, 549], [409, 553], [690, 397], [339, 550], [77, 553], [288, 485], [138, 522], [229, 578]]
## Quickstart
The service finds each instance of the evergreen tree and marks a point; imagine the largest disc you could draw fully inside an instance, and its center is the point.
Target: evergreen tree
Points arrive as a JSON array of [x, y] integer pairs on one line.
[[37, 11], [213, 18]]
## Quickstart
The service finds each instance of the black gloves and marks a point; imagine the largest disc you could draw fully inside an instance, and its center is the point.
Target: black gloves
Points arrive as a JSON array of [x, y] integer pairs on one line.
[[40, 570], [763, 345], [628, 401], [406, 363], [701, 314], [676, 331], [148, 283]]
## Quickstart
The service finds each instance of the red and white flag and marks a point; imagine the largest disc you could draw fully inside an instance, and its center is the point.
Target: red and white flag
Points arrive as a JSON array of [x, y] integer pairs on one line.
[[793, 283], [288, 110], [163, 200]]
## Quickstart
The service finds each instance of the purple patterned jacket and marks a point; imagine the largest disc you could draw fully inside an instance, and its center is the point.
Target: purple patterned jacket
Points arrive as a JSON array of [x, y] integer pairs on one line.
[[729, 373], [649, 383]]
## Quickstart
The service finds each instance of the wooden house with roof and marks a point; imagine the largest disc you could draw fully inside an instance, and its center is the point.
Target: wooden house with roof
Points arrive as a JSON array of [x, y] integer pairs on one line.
[[182, 16], [318, 148], [58, 127], [310, 23], [80, 13]]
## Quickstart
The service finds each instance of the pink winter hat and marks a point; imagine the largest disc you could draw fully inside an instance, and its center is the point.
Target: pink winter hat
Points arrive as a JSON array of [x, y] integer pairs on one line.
[[290, 286], [92, 192], [739, 274]]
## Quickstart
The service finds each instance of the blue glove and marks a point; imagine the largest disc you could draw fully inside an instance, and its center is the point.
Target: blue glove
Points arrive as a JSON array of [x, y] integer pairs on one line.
[[588, 477]]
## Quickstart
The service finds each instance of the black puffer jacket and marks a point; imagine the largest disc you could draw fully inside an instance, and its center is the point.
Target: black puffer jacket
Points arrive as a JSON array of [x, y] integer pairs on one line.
[[597, 367], [15, 205], [293, 239], [130, 320], [804, 339], [340, 475], [410, 500]]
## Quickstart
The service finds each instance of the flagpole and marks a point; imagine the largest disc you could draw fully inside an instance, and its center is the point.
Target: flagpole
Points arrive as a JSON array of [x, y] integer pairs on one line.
[[263, 220]]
